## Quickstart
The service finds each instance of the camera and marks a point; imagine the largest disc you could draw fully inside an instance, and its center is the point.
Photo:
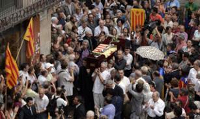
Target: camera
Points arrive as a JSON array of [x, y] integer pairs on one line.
[[61, 110], [150, 26]]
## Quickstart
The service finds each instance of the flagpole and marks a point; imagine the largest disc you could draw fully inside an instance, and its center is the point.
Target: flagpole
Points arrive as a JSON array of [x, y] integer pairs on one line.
[[19, 50]]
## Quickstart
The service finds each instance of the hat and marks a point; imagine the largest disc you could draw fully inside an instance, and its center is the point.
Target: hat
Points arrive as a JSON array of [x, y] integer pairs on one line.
[[48, 65]]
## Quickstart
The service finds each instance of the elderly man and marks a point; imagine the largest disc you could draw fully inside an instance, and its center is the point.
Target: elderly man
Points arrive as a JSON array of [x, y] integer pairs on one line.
[[90, 114], [41, 103], [100, 28], [83, 28], [155, 107], [193, 72], [146, 88], [100, 76]]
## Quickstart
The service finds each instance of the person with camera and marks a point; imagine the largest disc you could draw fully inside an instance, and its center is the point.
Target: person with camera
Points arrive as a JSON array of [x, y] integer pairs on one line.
[[58, 103]]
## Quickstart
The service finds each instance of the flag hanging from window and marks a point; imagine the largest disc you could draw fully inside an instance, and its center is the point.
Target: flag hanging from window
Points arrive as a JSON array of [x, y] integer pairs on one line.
[[11, 68], [137, 18], [29, 36]]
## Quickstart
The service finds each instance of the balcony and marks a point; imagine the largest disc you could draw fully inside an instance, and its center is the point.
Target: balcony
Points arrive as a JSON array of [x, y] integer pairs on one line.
[[15, 12]]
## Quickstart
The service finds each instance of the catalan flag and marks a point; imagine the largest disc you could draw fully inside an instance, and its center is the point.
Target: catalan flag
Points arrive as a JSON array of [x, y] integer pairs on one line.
[[11, 68], [137, 18], [29, 36]]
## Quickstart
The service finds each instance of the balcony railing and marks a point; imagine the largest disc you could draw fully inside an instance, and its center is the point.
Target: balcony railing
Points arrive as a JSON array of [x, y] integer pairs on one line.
[[22, 10]]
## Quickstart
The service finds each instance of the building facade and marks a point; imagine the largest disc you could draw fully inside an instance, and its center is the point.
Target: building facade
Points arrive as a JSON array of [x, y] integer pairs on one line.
[[14, 19]]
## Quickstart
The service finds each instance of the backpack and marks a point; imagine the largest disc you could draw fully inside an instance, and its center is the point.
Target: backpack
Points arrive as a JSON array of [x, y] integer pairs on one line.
[[52, 106]]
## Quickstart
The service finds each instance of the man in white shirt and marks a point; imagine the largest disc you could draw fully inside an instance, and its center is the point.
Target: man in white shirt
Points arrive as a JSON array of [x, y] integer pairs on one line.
[[24, 72], [100, 76], [192, 74], [129, 59], [100, 28], [168, 21], [43, 77], [124, 82], [155, 106], [41, 103], [43, 60], [83, 28], [99, 5]]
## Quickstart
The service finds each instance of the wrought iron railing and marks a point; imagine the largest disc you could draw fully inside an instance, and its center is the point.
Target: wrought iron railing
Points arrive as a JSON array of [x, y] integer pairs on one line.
[[17, 14]]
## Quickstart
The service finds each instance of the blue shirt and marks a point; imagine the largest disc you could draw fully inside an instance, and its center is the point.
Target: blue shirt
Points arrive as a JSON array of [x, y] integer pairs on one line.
[[109, 110], [172, 4]]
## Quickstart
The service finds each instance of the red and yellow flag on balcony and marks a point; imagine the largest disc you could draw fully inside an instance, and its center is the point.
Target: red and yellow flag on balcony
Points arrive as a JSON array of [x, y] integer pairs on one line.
[[11, 68], [29, 36], [137, 18]]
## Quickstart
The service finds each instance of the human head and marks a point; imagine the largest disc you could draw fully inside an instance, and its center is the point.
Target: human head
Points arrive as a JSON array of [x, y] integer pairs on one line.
[[139, 87], [196, 65], [103, 66], [138, 74], [144, 70], [90, 114], [77, 100], [152, 86], [117, 78], [29, 101], [121, 73], [42, 58], [174, 83], [155, 96], [41, 92], [101, 23], [189, 43], [177, 111], [85, 44], [64, 64], [127, 50], [109, 83], [25, 67], [108, 100], [90, 17], [119, 54], [182, 28]]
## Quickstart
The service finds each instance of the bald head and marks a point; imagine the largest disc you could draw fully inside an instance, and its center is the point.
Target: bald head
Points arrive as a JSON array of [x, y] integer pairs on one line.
[[90, 114], [41, 92]]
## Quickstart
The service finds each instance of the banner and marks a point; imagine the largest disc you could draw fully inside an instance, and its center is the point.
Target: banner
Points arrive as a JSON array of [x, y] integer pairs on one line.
[[137, 18]]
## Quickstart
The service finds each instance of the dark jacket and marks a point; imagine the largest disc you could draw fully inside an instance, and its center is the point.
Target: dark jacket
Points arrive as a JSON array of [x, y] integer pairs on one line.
[[25, 113], [79, 112], [120, 64]]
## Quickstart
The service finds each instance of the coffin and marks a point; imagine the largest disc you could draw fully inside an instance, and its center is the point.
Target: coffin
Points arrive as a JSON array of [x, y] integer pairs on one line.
[[94, 60]]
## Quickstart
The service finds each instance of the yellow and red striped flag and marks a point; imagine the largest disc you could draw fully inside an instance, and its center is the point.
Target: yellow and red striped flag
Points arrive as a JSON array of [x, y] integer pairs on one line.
[[29, 36], [137, 18], [11, 68]]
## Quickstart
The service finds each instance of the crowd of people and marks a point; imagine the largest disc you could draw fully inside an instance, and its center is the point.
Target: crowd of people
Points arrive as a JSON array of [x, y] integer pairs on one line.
[[127, 86]]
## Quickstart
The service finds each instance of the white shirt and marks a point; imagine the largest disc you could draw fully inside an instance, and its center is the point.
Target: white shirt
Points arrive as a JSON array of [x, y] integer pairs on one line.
[[197, 35], [129, 59], [24, 76], [60, 101], [158, 108], [99, 6], [32, 78], [98, 30], [81, 31], [41, 79], [168, 24], [98, 85], [121, 84], [41, 104], [124, 83], [192, 76]]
